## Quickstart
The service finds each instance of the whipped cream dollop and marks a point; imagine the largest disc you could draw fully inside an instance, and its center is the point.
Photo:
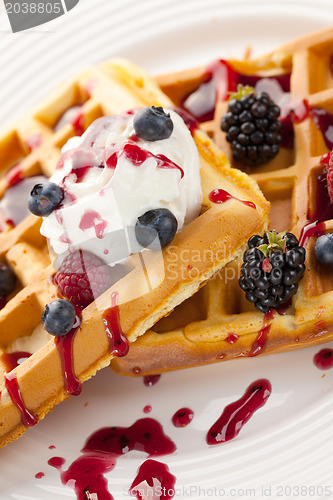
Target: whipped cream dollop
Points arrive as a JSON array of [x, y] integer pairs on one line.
[[110, 177]]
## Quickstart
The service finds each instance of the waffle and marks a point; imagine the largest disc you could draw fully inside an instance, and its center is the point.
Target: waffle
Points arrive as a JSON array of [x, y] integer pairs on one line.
[[218, 323], [218, 233]]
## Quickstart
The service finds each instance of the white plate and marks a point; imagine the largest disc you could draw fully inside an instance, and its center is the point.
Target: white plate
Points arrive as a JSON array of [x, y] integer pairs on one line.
[[287, 443]]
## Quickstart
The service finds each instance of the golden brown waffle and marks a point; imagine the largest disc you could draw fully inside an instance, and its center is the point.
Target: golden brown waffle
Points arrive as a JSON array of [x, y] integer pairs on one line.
[[218, 323], [218, 234]]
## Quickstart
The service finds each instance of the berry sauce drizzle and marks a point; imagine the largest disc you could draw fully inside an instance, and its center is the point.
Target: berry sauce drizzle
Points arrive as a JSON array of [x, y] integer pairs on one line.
[[64, 345], [261, 340], [236, 414], [218, 80], [14, 176], [183, 417], [117, 340], [12, 359], [151, 474], [324, 122], [79, 172], [3, 300], [232, 338], [311, 229], [34, 141], [27, 417], [189, 120], [90, 219], [78, 122], [221, 196], [137, 156], [100, 453], [150, 380], [323, 360]]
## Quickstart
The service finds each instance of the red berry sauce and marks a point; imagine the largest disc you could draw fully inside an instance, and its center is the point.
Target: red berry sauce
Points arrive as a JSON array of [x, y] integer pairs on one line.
[[236, 414], [14, 176], [150, 380], [64, 345], [56, 462], [90, 219], [324, 122], [182, 417], [34, 141], [100, 453], [218, 80], [261, 340], [221, 196], [189, 120], [80, 172], [27, 417], [147, 409], [39, 475], [232, 338], [137, 156], [144, 486], [311, 229], [324, 359], [78, 122], [119, 345], [12, 359]]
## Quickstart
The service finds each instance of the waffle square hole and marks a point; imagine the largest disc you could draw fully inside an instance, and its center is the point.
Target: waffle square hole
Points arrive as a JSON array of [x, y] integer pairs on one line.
[[322, 128], [80, 118], [64, 108], [193, 309], [12, 151], [321, 58]]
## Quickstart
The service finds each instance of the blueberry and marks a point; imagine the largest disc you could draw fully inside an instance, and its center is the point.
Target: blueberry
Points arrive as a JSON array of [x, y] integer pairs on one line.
[[44, 198], [153, 124], [324, 249], [7, 280], [59, 317], [159, 222]]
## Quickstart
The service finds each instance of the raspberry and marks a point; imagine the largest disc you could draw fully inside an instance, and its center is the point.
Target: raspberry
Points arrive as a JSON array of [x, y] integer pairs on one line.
[[327, 161], [82, 277], [252, 126], [273, 266]]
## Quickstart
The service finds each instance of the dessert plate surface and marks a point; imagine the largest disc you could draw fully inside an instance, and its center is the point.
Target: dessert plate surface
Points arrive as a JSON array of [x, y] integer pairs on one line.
[[285, 449]]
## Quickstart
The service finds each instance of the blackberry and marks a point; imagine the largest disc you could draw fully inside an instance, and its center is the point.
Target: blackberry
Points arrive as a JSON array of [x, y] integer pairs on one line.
[[252, 126], [272, 268]]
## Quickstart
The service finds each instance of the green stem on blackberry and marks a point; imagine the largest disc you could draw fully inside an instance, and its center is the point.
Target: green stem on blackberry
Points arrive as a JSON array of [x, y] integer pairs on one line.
[[242, 90], [276, 241]]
